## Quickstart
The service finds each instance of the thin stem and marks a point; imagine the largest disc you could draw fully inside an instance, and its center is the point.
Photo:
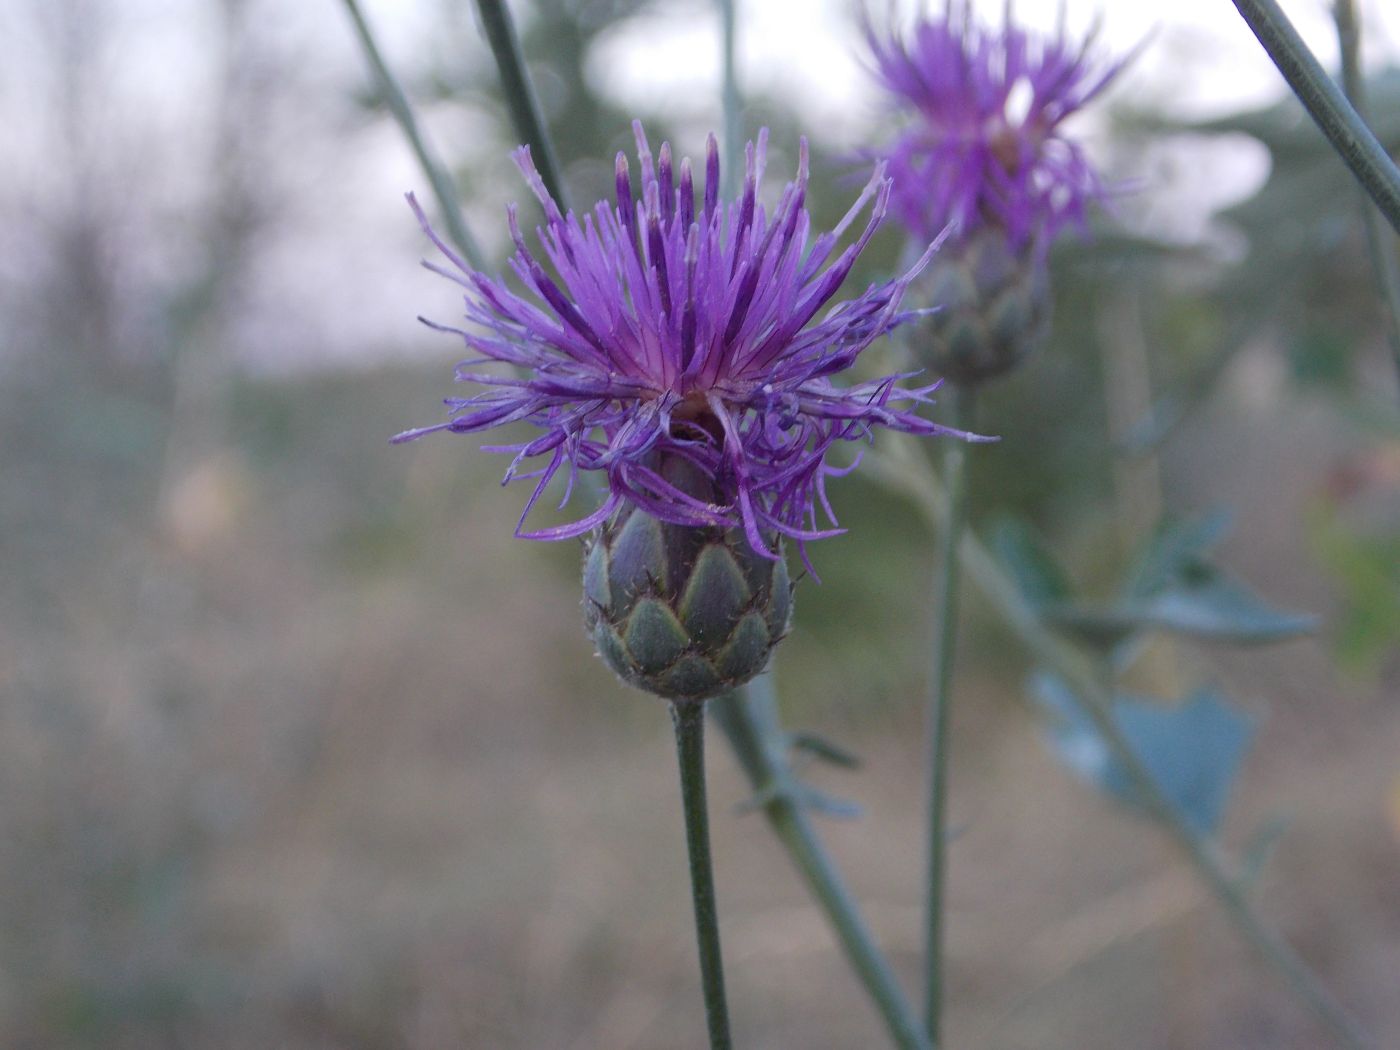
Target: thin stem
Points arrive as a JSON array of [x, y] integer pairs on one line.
[[689, 719], [520, 95], [907, 470], [749, 718], [1333, 114], [1378, 240], [939, 705], [730, 103], [441, 182], [1173, 409]]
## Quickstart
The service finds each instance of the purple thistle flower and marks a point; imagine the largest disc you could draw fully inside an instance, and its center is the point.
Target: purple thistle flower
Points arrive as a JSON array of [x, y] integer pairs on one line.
[[983, 145], [683, 328]]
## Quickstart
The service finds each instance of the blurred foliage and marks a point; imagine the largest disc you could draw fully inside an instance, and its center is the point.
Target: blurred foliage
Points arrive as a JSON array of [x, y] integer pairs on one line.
[[1193, 747], [1305, 276], [1355, 530], [1168, 586]]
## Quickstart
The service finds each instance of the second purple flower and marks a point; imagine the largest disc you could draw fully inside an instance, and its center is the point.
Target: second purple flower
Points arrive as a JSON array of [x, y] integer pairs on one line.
[[981, 152]]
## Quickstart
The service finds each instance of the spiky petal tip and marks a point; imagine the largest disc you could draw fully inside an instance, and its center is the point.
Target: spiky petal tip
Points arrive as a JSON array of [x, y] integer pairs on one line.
[[982, 143]]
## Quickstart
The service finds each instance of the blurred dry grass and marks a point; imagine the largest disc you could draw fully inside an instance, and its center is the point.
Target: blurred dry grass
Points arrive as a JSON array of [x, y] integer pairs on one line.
[[319, 758]]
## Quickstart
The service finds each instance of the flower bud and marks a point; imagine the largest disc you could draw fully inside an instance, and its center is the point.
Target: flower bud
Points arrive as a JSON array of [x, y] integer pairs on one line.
[[681, 611], [994, 307]]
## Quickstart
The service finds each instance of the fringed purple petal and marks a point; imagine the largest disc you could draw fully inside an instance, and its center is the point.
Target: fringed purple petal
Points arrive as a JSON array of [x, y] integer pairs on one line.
[[650, 330], [983, 143]]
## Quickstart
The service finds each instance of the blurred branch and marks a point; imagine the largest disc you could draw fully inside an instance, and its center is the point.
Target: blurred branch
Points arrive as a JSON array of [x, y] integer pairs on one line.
[[733, 109], [1172, 409], [520, 95], [904, 469], [1378, 240], [1329, 108], [394, 96]]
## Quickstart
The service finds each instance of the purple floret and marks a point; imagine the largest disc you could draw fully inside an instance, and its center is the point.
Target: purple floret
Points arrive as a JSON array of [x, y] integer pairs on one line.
[[983, 143], [685, 328]]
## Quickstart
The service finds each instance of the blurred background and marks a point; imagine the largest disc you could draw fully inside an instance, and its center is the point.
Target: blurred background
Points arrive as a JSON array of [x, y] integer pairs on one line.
[[299, 748]]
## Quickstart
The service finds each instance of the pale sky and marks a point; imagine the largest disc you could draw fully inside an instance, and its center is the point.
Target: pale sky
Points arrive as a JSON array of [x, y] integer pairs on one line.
[[155, 79]]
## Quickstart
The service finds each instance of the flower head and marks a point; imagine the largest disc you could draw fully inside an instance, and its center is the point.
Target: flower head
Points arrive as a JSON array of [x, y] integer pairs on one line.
[[683, 328], [983, 144]]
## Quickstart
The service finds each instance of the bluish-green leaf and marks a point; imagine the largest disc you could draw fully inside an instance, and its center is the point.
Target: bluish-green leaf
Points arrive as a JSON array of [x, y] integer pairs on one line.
[[1193, 749], [1201, 603], [1101, 629], [1211, 606]]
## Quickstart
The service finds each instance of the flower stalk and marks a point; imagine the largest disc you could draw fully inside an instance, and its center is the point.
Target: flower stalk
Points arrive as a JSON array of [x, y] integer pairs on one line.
[[939, 708], [1327, 105], [689, 719], [729, 95]]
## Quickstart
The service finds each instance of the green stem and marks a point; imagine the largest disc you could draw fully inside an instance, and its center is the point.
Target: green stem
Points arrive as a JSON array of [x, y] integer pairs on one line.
[[908, 471], [1333, 114], [438, 178], [689, 720], [1378, 240], [749, 718], [939, 705], [520, 95]]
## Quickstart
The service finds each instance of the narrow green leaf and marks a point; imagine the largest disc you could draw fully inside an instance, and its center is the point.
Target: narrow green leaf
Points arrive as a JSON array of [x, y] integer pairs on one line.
[[1211, 606], [1172, 550], [1040, 576]]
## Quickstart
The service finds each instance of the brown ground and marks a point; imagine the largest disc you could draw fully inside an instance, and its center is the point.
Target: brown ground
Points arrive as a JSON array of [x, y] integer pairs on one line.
[[284, 774]]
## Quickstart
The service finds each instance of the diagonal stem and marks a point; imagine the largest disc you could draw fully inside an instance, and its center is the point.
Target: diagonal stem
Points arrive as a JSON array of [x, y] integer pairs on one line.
[[749, 718], [939, 706], [1378, 240], [1334, 115], [399, 106], [520, 95], [689, 719], [906, 470]]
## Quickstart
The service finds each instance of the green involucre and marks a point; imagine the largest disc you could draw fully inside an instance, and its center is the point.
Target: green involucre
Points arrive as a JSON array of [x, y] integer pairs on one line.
[[686, 613]]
